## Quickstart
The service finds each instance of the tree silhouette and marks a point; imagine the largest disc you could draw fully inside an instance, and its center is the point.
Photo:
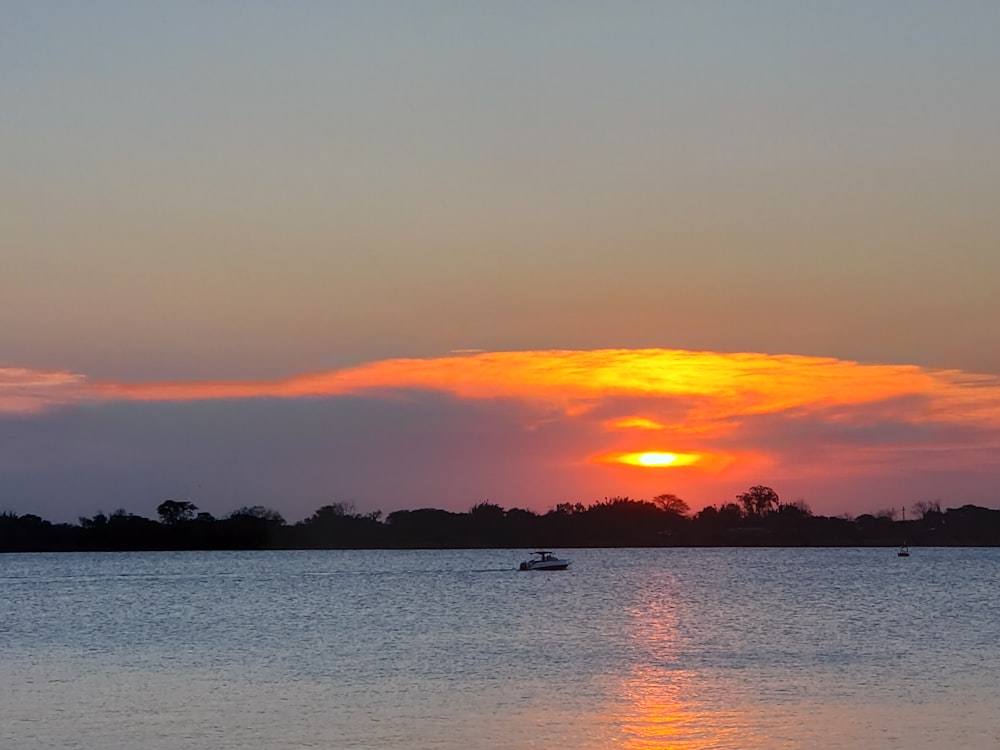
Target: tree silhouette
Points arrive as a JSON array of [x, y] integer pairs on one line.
[[672, 504], [756, 518], [759, 500], [257, 513], [172, 511]]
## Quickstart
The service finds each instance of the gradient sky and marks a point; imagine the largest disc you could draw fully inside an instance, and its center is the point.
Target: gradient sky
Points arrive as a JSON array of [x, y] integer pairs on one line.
[[427, 254]]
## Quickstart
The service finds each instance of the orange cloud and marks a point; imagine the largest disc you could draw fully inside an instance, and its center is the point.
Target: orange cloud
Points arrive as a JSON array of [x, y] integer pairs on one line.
[[726, 417], [597, 419], [24, 391], [722, 384], [713, 386], [633, 423], [692, 400]]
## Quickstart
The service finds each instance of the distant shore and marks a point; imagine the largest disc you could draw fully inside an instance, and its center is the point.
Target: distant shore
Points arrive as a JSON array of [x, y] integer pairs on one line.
[[614, 522]]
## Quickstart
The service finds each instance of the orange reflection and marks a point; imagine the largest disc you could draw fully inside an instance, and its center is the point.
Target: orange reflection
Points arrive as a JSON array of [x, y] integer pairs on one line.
[[661, 714], [663, 706]]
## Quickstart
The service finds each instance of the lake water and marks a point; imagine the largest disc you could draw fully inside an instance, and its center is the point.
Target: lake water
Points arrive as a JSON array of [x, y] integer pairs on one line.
[[666, 648]]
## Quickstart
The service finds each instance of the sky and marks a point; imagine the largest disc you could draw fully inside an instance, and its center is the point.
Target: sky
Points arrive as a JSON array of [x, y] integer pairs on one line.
[[431, 254]]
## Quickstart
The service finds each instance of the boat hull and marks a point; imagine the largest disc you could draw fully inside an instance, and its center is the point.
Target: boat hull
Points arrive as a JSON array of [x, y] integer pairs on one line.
[[548, 565]]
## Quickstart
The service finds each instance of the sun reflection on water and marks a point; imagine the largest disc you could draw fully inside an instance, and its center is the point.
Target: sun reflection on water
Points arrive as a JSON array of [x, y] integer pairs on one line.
[[664, 704], [663, 715]]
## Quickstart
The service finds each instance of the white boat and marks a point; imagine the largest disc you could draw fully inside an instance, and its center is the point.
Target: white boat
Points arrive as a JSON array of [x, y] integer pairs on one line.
[[544, 560]]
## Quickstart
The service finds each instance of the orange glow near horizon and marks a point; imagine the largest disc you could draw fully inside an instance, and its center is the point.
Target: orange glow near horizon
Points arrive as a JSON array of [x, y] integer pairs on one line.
[[726, 409]]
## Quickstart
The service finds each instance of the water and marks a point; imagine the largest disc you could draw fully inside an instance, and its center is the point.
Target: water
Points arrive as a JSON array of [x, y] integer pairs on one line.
[[694, 649]]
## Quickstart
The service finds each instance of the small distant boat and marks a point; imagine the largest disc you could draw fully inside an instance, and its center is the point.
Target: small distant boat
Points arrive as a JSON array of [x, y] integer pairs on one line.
[[543, 559], [904, 551]]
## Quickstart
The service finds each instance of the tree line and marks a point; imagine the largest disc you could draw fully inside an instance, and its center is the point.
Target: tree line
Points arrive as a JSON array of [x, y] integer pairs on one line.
[[756, 517]]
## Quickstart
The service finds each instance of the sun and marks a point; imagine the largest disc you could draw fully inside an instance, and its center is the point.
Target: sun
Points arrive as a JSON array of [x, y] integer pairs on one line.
[[652, 459], [655, 458]]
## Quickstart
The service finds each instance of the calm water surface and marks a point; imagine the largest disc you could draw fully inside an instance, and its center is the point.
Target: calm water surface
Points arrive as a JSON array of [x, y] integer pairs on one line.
[[694, 649]]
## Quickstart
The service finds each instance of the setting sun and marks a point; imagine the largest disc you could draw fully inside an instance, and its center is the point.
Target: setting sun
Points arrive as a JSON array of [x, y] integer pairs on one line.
[[653, 459], [656, 459]]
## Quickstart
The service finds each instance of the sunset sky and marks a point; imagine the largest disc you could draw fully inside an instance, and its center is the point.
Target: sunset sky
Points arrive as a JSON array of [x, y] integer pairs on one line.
[[407, 254]]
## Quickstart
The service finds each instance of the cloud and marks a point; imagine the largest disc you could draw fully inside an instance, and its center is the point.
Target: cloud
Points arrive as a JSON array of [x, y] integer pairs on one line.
[[726, 383], [633, 423], [655, 390], [24, 391], [606, 417]]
